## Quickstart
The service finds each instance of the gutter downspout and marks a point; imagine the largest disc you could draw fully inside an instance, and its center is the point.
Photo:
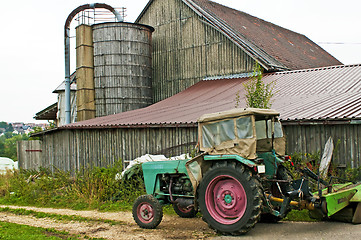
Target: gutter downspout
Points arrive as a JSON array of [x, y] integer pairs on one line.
[[67, 48]]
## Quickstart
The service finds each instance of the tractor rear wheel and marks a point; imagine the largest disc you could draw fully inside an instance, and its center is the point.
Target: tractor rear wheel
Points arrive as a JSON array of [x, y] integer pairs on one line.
[[229, 198], [147, 211], [184, 212]]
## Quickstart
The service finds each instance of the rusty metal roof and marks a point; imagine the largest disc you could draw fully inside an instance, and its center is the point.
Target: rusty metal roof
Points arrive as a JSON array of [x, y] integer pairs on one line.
[[48, 113], [311, 94], [274, 47]]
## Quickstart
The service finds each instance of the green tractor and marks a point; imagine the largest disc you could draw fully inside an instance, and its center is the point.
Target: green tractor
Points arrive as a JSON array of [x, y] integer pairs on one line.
[[240, 178]]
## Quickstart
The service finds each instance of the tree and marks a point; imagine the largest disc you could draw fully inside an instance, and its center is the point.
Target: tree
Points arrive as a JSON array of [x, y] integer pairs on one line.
[[8, 145], [6, 126], [3, 125], [258, 93]]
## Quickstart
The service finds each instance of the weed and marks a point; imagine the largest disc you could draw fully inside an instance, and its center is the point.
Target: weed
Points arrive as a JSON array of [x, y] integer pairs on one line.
[[258, 93], [90, 188], [299, 215], [353, 174]]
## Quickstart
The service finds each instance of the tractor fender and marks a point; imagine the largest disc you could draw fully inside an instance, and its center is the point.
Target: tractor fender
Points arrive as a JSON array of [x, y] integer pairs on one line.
[[238, 158], [199, 165]]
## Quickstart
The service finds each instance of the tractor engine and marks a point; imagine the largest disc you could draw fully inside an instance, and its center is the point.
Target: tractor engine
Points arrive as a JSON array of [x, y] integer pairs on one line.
[[179, 188]]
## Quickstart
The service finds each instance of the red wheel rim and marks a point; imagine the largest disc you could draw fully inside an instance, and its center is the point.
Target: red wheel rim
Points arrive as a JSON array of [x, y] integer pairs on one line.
[[225, 199], [145, 212]]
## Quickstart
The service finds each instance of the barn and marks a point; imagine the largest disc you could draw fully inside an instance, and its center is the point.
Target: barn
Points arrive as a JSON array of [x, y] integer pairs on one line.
[[196, 39], [202, 52], [315, 104]]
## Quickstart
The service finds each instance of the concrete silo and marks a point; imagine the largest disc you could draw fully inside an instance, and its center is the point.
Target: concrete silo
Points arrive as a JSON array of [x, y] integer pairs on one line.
[[122, 67]]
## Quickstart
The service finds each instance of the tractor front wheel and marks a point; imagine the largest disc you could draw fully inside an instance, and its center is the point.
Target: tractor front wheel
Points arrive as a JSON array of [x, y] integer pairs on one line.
[[229, 198], [147, 211]]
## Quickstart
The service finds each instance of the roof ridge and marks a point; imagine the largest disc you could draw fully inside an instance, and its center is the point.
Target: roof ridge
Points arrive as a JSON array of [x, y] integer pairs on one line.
[[274, 47], [253, 50], [314, 69]]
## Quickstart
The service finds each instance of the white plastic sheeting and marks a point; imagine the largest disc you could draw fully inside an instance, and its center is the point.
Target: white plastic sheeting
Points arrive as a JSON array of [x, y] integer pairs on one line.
[[7, 164], [150, 158]]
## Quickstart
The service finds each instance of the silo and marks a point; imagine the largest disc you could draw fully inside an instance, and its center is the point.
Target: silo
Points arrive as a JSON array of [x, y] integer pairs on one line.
[[122, 67]]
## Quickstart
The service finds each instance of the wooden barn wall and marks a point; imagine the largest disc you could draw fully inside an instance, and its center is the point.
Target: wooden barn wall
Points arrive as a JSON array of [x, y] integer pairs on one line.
[[70, 150], [186, 49], [29, 154], [312, 138]]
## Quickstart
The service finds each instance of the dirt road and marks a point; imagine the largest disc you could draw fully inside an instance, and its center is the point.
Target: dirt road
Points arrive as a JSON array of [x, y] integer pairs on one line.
[[173, 227]]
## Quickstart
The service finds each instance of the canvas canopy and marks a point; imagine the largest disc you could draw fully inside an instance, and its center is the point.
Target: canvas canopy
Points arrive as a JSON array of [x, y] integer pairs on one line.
[[241, 131], [237, 112]]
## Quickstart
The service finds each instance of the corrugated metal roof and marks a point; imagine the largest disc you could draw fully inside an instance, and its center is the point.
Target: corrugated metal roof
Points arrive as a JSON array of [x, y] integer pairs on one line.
[[272, 46], [321, 93], [276, 45]]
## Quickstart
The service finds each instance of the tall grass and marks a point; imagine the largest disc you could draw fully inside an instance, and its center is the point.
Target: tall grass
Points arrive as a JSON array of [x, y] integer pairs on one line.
[[89, 188]]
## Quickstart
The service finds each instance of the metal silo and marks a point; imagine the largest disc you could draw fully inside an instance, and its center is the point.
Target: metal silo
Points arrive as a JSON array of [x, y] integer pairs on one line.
[[122, 67]]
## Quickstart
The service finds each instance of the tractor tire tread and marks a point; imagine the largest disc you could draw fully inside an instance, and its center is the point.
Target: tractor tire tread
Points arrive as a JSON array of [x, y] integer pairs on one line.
[[256, 191]]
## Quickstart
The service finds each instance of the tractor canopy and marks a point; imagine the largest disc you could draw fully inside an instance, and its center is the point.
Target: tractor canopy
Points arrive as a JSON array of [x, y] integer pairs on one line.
[[241, 131]]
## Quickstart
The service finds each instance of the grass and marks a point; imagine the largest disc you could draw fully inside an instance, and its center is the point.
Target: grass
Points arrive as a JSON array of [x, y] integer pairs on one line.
[[299, 216], [21, 211], [92, 188], [12, 231]]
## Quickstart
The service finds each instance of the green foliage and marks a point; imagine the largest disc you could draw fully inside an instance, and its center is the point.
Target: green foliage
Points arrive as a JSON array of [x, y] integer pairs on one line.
[[8, 143], [353, 174], [87, 189], [6, 126], [299, 216], [258, 93], [12, 231], [59, 217], [313, 160], [51, 125], [37, 129]]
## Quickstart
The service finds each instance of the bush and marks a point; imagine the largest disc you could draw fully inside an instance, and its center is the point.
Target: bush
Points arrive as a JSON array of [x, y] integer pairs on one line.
[[258, 93], [89, 188], [353, 174], [313, 160]]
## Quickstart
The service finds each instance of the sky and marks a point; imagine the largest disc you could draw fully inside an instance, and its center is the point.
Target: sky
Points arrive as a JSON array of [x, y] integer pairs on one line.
[[32, 41]]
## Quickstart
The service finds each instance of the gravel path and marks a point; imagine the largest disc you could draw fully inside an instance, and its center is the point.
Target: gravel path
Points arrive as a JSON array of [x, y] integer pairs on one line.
[[174, 227]]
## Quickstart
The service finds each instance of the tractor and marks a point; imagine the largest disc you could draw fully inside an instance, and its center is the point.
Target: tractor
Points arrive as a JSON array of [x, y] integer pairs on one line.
[[239, 178]]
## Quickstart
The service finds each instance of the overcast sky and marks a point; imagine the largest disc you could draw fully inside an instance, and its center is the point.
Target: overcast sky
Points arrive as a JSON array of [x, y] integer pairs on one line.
[[32, 43]]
